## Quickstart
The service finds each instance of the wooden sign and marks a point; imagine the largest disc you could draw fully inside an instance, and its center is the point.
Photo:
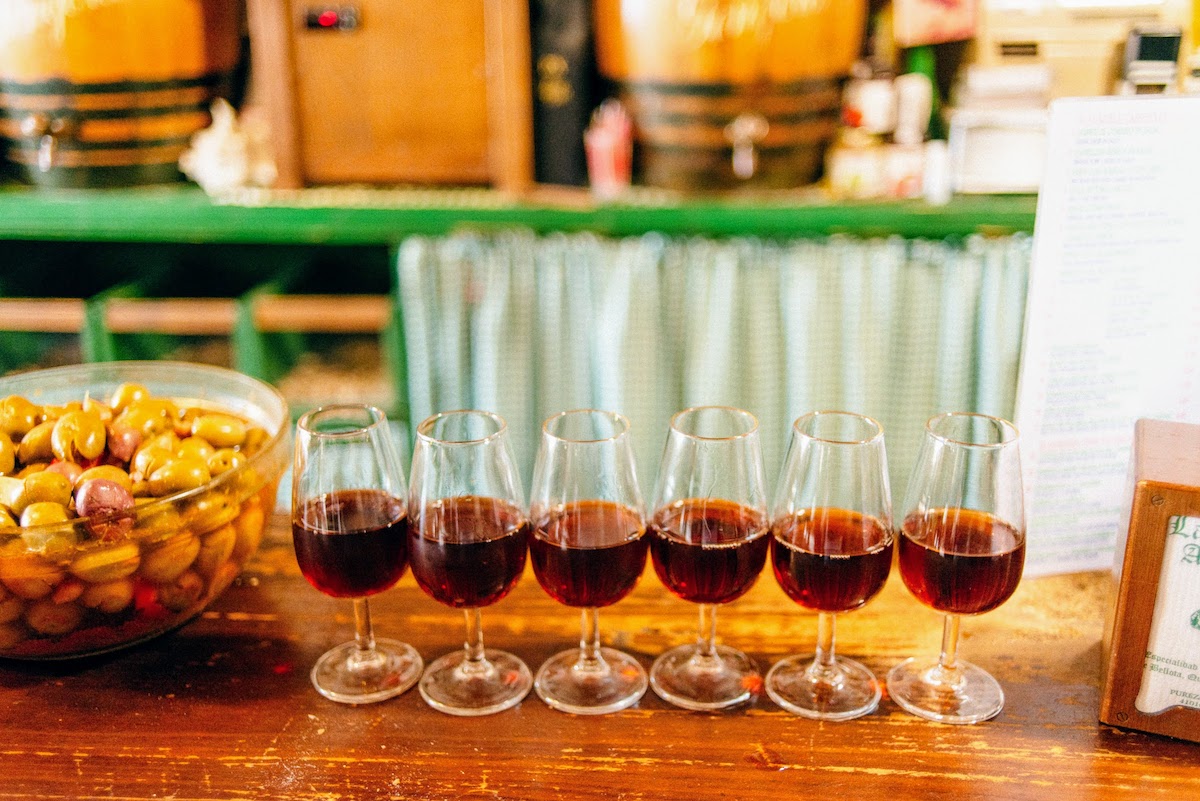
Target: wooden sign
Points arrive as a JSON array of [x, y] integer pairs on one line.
[[1151, 660]]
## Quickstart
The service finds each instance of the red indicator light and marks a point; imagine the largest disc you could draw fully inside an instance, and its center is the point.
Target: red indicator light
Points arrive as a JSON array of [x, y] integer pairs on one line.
[[327, 19]]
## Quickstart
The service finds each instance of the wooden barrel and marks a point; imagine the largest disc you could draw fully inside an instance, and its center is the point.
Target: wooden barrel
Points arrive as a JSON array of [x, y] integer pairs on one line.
[[729, 93], [109, 92]]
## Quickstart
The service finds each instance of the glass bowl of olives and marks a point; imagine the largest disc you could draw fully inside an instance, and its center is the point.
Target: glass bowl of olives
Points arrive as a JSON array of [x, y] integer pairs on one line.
[[131, 495]]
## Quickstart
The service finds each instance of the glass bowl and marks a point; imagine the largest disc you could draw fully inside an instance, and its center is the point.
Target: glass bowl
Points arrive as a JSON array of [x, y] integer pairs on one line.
[[91, 585]]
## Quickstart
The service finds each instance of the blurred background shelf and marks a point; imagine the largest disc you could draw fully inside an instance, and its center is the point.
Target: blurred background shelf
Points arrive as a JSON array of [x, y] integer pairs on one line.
[[374, 217]]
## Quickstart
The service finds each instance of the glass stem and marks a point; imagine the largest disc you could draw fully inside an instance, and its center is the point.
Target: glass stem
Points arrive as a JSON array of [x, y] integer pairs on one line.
[[364, 637], [476, 662], [947, 671], [708, 632], [824, 666], [590, 659]]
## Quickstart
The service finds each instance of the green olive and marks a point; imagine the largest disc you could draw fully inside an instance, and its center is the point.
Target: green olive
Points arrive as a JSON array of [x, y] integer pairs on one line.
[[31, 468], [216, 548], [256, 437], [8, 454], [147, 460], [28, 575], [127, 394], [183, 593], [167, 440], [211, 510], [222, 430], [224, 460], [107, 564], [7, 520], [52, 412], [110, 596], [196, 447], [44, 487], [99, 409], [179, 475], [35, 445], [51, 619], [18, 416], [43, 513], [11, 488], [164, 563], [78, 437], [111, 472], [164, 520], [149, 416]]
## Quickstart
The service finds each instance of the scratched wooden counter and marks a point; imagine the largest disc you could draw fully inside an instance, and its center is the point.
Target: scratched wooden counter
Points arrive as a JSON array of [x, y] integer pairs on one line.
[[223, 709]]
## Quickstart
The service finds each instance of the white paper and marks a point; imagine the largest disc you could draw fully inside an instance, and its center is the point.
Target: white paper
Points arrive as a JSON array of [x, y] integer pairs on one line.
[[1112, 321], [1171, 673]]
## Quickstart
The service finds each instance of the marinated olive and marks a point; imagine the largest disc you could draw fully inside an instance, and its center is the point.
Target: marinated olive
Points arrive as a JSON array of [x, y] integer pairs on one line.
[[127, 394], [6, 518], [249, 526], [43, 513], [222, 430], [106, 564], [11, 488], [166, 562], [99, 409], [123, 442], [148, 416], [105, 471], [44, 487], [179, 475], [29, 576], [224, 460], [78, 437], [68, 591], [183, 593], [215, 550], [211, 510], [10, 607], [160, 522], [69, 470], [103, 501], [195, 447], [110, 597], [8, 454], [18, 416], [49, 618], [11, 635], [29, 469], [52, 412], [149, 459], [35, 446]]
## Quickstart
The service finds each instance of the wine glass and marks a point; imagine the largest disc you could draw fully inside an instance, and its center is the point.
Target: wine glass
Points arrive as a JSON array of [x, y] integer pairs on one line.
[[962, 550], [350, 532], [708, 546], [831, 551], [588, 551], [467, 545]]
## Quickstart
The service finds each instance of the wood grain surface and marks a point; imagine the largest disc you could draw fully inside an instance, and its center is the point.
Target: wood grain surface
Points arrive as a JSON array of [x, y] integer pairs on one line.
[[223, 708]]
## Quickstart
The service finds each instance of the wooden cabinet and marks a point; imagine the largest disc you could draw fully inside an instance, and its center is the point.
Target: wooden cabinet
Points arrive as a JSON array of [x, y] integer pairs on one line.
[[396, 91]]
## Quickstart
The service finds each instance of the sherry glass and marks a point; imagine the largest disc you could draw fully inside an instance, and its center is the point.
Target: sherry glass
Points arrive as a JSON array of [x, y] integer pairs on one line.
[[467, 544], [350, 532], [708, 545], [831, 551], [962, 550], [588, 550]]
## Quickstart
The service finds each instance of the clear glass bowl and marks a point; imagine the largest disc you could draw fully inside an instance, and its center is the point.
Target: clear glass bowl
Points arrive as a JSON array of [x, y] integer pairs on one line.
[[66, 593]]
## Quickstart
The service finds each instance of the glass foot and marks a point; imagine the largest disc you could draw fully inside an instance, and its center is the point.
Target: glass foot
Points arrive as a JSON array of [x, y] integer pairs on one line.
[[458, 687], [966, 695], [342, 675], [845, 692], [614, 683], [682, 676]]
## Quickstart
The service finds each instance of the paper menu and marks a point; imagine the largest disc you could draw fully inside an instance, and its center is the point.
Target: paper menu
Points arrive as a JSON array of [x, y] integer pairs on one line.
[[1112, 320]]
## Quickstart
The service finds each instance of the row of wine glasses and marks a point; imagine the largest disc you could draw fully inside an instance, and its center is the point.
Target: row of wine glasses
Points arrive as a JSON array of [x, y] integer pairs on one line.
[[463, 529]]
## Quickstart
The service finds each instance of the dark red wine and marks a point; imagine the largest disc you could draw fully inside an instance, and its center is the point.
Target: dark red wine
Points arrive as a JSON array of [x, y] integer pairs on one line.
[[351, 543], [831, 560], [961, 561], [468, 551], [589, 553], [707, 550]]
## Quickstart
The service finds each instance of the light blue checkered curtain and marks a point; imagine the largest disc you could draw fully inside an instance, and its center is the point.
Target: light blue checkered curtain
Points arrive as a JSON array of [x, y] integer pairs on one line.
[[528, 325]]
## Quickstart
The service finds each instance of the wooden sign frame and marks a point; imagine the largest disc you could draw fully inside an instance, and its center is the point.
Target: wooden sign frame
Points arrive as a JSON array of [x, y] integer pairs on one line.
[[1164, 482], [508, 78]]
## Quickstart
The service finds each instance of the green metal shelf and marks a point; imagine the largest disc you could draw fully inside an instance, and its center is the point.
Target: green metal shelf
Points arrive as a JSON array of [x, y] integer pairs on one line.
[[368, 217]]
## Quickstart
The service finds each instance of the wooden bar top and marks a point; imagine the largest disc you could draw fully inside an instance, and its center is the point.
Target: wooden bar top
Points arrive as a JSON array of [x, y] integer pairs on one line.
[[223, 708]]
